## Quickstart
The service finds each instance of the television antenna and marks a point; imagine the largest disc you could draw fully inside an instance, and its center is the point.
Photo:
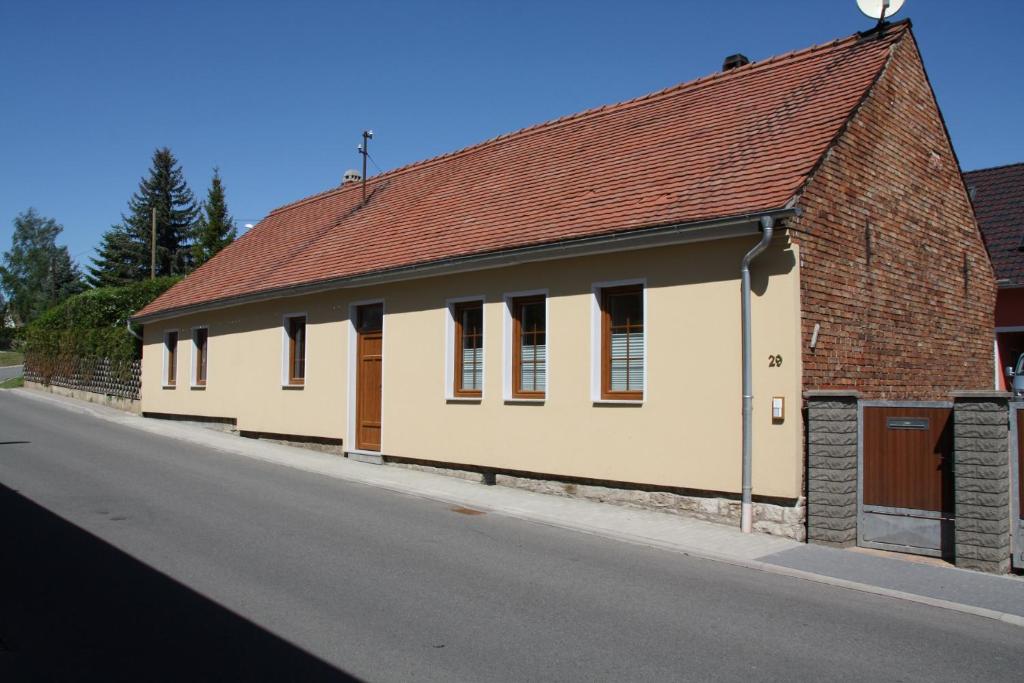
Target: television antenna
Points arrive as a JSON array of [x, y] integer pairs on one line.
[[364, 149], [879, 9]]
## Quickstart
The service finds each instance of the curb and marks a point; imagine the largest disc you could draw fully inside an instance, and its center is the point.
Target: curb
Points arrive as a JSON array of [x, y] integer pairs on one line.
[[555, 522]]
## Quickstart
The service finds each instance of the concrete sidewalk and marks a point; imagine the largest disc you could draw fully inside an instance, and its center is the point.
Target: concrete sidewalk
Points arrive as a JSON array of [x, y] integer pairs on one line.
[[994, 597]]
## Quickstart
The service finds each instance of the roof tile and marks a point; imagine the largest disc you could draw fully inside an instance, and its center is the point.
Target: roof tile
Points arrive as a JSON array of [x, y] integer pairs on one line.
[[733, 143], [999, 208]]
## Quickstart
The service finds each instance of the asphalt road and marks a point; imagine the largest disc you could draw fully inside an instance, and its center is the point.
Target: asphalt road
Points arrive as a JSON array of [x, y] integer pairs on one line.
[[10, 371], [127, 556]]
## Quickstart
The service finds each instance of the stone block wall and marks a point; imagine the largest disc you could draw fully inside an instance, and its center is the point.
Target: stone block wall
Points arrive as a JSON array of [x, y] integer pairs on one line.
[[981, 478], [832, 467]]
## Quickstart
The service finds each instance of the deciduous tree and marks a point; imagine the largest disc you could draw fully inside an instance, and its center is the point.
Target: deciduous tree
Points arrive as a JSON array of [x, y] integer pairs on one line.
[[36, 273]]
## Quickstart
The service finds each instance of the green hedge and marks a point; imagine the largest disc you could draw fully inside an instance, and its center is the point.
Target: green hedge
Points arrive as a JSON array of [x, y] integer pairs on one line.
[[92, 324]]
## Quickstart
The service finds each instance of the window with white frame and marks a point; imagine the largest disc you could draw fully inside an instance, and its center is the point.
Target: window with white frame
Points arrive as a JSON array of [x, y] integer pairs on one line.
[[529, 346], [200, 346], [170, 358], [468, 338], [622, 342], [294, 374]]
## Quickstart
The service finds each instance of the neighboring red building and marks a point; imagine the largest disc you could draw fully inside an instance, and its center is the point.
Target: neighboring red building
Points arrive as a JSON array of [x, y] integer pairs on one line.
[[998, 195]]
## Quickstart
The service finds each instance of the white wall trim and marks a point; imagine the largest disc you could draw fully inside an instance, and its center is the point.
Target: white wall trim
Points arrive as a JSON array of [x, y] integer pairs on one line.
[[193, 357], [595, 339], [449, 348], [350, 375], [507, 342], [284, 350]]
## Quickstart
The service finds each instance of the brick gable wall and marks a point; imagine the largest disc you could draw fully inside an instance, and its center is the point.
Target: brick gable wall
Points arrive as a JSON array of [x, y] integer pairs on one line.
[[898, 320]]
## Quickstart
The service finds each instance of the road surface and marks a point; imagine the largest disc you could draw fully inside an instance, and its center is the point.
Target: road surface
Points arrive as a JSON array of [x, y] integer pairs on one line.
[[129, 556], [9, 371]]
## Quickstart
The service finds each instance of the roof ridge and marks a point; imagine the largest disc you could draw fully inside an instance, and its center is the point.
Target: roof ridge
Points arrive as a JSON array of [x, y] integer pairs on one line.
[[894, 28], [995, 168]]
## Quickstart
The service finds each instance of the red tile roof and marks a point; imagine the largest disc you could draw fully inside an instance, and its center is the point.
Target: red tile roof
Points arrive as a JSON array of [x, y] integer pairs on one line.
[[999, 207], [737, 142]]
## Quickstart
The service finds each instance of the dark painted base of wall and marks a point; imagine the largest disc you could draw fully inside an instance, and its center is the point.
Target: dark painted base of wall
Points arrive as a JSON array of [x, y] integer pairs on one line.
[[321, 444], [226, 424]]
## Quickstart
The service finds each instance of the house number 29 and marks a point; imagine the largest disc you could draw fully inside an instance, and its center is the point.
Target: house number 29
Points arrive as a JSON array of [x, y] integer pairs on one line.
[[775, 361]]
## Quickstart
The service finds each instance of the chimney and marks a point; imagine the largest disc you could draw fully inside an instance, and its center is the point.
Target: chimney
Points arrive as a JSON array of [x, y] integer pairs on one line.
[[734, 61], [351, 176]]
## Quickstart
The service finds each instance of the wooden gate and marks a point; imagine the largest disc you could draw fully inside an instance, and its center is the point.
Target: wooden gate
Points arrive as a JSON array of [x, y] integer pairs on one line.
[[906, 500], [1017, 463]]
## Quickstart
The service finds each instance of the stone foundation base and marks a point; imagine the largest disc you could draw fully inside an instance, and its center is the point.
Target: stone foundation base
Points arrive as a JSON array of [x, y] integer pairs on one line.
[[778, 520], [125, 404]]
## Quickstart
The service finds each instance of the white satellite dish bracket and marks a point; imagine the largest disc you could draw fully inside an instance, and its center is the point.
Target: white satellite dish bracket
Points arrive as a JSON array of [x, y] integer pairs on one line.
[[879, 9]]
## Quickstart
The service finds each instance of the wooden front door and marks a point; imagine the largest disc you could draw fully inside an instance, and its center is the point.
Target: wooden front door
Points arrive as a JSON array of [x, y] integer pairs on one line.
[[908, 485], [369, 359]]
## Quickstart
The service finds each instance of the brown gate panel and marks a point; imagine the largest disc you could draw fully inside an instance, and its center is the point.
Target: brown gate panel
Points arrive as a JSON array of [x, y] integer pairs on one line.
[[908, 458]]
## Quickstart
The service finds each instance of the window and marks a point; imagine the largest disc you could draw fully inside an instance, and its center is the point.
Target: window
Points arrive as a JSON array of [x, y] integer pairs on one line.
[[295, 326], [200, 335], [529, 347], [170, 358], [469, 348], [622, 342]]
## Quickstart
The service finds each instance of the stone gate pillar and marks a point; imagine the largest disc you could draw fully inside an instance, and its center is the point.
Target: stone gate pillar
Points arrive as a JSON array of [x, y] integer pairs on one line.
[[832, 466], [981, 480]]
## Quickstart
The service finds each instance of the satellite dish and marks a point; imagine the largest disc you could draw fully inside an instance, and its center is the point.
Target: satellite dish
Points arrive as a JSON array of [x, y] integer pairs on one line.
[[879, 9]]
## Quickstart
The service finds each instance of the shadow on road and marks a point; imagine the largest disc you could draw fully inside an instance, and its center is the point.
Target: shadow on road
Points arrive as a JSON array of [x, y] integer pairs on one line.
[[73, 607]]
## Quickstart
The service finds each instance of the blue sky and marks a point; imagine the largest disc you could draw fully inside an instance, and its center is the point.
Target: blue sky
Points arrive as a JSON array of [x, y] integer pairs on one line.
[[277, 93]]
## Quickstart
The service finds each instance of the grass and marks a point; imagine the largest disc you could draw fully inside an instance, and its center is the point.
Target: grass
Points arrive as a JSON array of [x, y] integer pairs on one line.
[[12, 383], [11, 358]]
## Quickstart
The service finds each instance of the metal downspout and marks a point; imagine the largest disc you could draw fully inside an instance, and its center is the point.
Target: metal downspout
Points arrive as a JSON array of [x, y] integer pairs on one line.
[[767, 226], [128, 324]]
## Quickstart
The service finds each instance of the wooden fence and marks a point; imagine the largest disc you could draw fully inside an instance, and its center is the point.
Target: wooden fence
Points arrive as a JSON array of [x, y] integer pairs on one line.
[[97, 375]]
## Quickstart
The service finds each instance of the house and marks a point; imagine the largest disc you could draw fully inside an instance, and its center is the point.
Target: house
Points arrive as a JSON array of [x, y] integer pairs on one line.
[[561, 306], [998, 195]]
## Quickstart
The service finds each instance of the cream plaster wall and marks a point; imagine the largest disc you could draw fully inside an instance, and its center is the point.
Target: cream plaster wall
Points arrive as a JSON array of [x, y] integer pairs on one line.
[[686, 433]]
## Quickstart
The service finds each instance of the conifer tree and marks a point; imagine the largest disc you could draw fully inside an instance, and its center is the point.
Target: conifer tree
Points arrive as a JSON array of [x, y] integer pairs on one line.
[[124, 255], [121, 258], [36, 273], [215, 228]]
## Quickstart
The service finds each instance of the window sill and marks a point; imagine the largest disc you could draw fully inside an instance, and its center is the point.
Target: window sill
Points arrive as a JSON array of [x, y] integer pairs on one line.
[[198, 387], [512, 400], [170, 386], [464, 399], [293, 387], [619, 402]]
